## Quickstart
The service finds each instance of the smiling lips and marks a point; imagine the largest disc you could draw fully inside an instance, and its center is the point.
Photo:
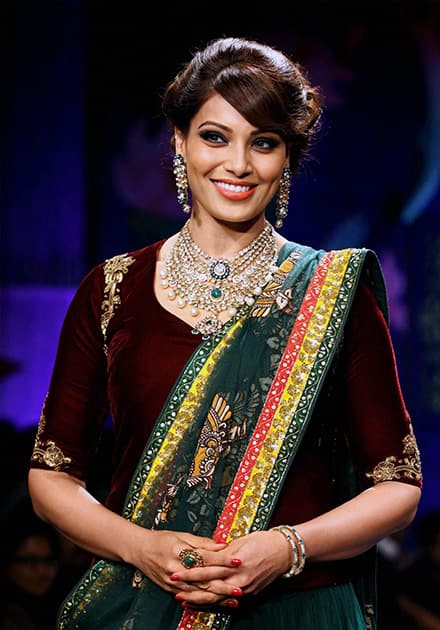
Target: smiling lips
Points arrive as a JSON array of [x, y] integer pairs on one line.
[[232, 190]]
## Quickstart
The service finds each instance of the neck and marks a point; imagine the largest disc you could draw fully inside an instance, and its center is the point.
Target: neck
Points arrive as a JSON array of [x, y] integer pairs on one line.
[[224, 239]]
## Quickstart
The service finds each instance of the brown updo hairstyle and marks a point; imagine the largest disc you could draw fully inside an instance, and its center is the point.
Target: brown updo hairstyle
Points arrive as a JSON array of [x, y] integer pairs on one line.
[[269, 90]]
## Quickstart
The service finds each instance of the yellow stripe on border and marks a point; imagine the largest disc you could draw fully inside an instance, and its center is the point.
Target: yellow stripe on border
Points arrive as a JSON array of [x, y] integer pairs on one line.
[[183, 419], [258, 476]]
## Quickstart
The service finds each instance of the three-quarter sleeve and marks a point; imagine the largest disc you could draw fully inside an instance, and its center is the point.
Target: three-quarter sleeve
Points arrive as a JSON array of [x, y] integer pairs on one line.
[[379, 428], [76, 405]]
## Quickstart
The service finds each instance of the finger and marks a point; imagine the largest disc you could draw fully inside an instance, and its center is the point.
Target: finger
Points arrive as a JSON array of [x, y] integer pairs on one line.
[[202, 542], [220, 558], [220, 588], [230, 602], [210, 592], [203, 574], [192, 558], [211, 545], [197, 598], [189, 558]]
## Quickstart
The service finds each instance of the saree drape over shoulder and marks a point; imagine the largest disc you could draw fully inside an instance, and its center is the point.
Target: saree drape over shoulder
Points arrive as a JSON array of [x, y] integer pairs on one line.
[[272, 404]]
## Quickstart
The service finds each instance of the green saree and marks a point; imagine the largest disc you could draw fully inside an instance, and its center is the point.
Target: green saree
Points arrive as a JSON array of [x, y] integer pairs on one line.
[[219, 453]]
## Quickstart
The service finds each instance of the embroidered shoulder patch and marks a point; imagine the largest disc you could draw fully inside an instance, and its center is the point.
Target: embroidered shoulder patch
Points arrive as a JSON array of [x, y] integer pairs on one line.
[[393, 468], [114, 270]]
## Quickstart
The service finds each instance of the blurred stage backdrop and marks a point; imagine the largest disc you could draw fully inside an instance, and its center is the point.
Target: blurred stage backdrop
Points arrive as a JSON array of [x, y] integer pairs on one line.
[[85, 168]]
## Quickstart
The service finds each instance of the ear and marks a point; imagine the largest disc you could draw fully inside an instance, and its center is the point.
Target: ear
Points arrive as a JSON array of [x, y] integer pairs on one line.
[[179, 141]]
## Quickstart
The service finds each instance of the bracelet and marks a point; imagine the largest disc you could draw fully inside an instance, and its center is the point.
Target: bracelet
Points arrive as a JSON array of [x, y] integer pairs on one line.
[[298, 549]]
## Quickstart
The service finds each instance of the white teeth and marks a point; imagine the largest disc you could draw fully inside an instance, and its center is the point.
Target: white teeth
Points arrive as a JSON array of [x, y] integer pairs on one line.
[[232, 187]]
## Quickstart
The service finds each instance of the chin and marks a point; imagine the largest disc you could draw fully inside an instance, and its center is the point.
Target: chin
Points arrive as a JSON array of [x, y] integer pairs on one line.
[[238, 217], [242, 223]]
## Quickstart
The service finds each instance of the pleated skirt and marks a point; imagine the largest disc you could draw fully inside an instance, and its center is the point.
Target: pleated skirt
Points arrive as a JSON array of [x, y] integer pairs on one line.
[[328, 608]]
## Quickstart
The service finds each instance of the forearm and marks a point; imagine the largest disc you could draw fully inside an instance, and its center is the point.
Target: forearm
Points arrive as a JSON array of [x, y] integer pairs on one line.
[[64, 502], [360, 523]]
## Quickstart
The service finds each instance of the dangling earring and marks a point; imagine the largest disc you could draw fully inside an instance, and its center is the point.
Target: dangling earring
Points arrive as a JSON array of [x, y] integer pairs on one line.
[[282, 205], [179, 171]]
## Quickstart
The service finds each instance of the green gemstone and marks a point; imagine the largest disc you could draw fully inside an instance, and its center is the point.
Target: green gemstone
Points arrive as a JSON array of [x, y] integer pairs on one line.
[[189, 561], [216, 293]]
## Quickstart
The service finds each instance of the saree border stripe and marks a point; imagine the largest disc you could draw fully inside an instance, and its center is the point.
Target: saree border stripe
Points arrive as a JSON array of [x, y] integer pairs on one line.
[[285, 411], [176, 420], [299, 417], [281, 402]]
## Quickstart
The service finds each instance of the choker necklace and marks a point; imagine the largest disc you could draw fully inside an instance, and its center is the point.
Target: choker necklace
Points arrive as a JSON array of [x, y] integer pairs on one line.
[[202, 282]]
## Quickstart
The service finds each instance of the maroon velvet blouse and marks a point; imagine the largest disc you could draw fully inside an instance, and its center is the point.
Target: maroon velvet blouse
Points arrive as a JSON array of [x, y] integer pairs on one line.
[[147, 349]]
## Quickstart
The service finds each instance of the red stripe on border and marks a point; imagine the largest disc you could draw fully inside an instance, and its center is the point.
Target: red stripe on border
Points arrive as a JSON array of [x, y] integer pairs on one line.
[[273, 399]]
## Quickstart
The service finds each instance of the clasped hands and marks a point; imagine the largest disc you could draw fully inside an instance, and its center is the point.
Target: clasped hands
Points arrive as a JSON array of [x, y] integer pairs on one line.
[[203, 573]]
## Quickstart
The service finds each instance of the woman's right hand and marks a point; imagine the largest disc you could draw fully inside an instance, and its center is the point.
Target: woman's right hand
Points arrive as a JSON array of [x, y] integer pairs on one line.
[[156, 554], [63, 501]]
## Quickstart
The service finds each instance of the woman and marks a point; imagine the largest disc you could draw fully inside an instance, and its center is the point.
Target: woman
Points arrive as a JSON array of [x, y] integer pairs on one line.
[[29, 569], [262, 446]]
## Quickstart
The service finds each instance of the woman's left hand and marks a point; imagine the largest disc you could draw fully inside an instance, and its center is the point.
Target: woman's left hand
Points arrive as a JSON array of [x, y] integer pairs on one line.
[[264, 556]]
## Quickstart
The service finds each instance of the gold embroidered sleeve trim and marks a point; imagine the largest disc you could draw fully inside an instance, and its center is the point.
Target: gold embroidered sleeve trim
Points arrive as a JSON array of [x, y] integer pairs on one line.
[[114, 270], [393, 468], [46, 451]]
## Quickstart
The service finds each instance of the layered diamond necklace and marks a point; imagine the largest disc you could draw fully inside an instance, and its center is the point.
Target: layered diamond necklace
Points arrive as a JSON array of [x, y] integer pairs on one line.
[[204, 283]]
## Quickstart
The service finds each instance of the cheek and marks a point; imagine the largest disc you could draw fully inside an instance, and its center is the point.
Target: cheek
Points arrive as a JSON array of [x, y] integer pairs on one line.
[[270, 171], [272, 179], [21, 576], [201, 162]]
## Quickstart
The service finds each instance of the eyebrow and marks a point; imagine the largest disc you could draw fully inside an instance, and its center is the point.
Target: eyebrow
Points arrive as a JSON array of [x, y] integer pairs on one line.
[[216, 124], [226, 128]]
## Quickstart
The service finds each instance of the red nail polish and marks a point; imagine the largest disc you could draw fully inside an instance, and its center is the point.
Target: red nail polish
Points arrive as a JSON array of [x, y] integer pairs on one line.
[[232, 603], [237, 592], [175, 577], [236, 562], [178, 597]]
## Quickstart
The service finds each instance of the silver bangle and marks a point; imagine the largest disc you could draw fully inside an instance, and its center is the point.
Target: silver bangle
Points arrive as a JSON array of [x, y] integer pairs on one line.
[[298, 549]]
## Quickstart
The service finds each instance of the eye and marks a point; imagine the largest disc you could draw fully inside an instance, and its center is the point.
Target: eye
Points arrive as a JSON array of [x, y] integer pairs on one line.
[[265, 143], [213, 137]]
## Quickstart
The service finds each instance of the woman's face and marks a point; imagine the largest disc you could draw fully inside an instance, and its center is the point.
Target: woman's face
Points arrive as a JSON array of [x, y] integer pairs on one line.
[[233, 168], [34, 567]]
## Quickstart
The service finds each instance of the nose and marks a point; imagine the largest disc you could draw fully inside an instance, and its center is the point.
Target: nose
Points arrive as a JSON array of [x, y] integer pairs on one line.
[[237, 161]]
